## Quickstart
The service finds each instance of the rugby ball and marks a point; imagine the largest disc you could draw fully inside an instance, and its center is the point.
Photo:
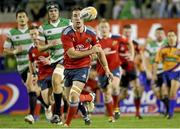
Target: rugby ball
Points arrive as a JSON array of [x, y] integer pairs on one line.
[[88, 13]]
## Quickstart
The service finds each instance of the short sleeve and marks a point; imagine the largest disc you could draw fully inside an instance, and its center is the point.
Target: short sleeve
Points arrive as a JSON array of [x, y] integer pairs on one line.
[[8, 41], [30, 55]]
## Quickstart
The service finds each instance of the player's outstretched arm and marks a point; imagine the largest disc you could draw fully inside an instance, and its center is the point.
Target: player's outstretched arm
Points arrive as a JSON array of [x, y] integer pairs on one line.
[[103, 61]]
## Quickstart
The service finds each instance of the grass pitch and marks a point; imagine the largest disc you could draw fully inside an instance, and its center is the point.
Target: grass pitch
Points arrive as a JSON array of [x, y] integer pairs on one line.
[[98, 121]]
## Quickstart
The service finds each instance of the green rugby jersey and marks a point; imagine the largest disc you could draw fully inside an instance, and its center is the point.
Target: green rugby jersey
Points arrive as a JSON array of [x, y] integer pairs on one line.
[[51, 33], [15, 38], [152, 49]]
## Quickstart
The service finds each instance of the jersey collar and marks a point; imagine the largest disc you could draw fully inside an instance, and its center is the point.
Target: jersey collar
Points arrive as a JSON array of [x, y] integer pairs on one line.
[[56, 23]]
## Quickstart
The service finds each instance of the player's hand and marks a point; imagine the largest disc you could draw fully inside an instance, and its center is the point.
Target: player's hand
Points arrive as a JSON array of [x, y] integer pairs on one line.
[[19, 49], [45, 61], [34, 80], [109, 76], [54, 43], [108, 51], [123, 72]]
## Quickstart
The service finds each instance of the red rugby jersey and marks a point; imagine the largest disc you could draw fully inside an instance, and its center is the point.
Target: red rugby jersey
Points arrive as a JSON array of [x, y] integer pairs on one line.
[[36, 56], [112, 45], [81, 42]]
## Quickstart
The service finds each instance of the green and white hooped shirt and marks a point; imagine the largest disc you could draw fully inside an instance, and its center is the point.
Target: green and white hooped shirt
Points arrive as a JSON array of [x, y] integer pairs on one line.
[[51, 32], [15, 38]]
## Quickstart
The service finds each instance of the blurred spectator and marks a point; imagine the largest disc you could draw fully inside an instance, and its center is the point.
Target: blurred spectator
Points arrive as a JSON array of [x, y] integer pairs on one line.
[[173, 9], [21, 4], [37, 9], [126, 12], [117, 9]]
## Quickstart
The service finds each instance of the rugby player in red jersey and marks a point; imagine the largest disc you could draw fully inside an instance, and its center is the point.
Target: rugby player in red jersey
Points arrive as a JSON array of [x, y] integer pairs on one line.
[[79, 42], [110, 46], [129, 76], [39, 59]]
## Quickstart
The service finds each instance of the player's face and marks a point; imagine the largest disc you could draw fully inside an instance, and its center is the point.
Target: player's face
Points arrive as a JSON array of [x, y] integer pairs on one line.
[[127, 32], [160, 35], [77, 22], [22, 19], [34, 35], [53, 14], [172, 38], [104, 29]]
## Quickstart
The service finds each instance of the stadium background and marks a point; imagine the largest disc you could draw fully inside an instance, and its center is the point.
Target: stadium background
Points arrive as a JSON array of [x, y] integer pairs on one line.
[[144, 17]]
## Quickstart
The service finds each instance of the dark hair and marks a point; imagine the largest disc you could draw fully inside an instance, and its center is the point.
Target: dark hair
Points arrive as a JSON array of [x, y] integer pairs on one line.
[[51, 5], [21, 11], [33, 27], [127, 26], [160, 28], [77, 8]]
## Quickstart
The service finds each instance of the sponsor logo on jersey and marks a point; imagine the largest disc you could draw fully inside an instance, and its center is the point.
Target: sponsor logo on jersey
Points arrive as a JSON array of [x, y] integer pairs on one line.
[[88, 40]]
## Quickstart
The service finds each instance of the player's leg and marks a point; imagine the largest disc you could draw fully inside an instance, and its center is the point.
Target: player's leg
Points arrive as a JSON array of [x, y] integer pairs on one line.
[[165, 95], [84, 111], [172, 102], [116, 92], [75, 79], [137, 89], [74, 94], [57, 85], [45, 95], [107, 93], [33, 91], [161, 93]]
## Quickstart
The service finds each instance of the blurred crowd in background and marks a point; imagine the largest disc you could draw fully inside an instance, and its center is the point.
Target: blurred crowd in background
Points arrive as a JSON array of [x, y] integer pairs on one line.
[[109, 9]]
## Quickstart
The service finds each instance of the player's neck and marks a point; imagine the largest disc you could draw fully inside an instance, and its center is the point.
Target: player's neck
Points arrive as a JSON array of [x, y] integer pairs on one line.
[[106, 35], [22, 26], [80, 29], [54, 21]]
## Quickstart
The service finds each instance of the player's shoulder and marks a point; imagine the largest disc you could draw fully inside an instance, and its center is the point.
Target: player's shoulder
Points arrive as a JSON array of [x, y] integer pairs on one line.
[[67, 30], [31, 49], [116, 36], [90, 30], [13, 30], [45, 23], [165, 48]]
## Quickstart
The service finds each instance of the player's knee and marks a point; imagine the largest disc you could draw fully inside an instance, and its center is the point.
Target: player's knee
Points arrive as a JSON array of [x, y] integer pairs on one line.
[[107, 97], [172, 94], [56, 83], [115, 91], [124, 93], [74, 94], [58, 73]]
